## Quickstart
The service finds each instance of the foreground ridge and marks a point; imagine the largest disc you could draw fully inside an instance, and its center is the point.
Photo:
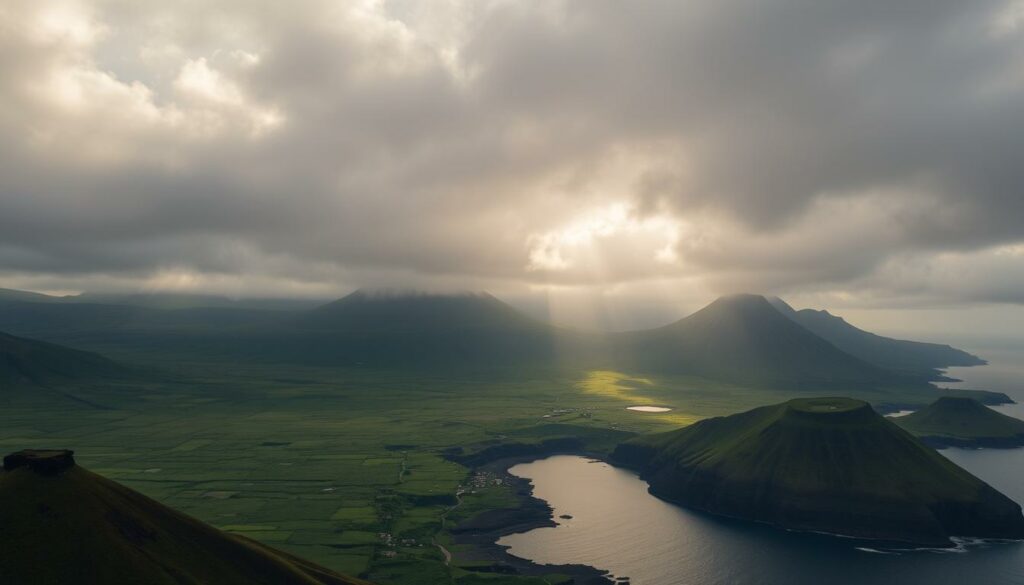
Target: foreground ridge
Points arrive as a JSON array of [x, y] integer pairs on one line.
[[64, 524]]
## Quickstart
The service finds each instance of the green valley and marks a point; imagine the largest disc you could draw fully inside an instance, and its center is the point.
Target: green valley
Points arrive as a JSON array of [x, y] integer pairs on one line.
[[366, 444]]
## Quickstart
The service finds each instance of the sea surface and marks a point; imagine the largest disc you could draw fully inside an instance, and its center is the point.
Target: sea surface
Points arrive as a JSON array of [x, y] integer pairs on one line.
[[617, 526]]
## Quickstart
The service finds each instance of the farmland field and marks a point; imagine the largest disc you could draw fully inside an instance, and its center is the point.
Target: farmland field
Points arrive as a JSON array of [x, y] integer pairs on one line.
[[345, 467]]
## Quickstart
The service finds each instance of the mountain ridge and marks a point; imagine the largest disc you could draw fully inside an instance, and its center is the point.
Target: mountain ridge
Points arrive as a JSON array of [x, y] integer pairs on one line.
[[743, 337], [738, 338], [887, 352]]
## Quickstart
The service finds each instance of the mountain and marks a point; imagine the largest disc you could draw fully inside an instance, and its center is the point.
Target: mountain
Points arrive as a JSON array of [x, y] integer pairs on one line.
[[65, 524], [29, 361], [744, 338], [896, 354], [826, 465], [368, 310], [963, 422], [401, 328]]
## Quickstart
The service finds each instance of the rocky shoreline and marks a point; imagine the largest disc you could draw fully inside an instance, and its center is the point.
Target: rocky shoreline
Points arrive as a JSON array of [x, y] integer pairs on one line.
[[484, 530]]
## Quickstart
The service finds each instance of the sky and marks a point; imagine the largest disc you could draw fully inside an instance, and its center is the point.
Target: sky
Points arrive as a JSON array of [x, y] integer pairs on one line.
[[614, 162]]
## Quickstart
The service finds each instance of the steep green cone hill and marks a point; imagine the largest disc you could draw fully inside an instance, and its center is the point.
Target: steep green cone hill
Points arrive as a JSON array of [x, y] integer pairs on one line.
[[822, 464], [963, 422], [63, 524]]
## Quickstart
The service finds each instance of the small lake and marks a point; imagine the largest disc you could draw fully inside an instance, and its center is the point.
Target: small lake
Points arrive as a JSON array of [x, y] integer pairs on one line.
[[617, 526], [648, 408]]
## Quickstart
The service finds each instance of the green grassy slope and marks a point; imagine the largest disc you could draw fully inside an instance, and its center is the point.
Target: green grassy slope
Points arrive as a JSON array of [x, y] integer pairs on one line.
[[897, 354], [831, 465], [74, 526], [743, 338], [29, 361], [963, 422]]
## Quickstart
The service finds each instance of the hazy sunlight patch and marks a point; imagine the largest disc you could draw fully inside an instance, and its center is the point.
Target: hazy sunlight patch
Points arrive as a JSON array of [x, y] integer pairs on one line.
[[620, 386]]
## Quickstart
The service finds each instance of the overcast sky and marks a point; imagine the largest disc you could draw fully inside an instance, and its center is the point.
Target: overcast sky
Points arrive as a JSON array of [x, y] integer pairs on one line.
[[645, 156]]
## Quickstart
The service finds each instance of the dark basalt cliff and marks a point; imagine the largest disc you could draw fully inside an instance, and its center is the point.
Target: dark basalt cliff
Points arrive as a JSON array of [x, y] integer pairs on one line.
[[828, 464]]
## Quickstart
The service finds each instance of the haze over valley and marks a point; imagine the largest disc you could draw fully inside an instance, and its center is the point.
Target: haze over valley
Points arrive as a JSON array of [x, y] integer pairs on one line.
[[491, 292]]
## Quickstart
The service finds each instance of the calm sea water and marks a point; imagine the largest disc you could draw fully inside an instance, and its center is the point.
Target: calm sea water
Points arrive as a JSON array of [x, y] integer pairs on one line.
[[617, 526]]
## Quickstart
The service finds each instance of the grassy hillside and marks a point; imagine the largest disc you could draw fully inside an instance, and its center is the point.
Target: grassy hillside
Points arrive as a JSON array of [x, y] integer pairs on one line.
[[67, 525], [743, 338], [831, 465], [29, 361], [963, 422], [897, 354]]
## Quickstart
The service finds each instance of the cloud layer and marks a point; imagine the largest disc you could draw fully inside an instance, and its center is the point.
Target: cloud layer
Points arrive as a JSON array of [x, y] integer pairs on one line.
[[867, 150]]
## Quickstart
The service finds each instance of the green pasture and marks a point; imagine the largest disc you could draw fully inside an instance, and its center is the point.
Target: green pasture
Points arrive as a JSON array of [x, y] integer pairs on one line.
[[343, 466]]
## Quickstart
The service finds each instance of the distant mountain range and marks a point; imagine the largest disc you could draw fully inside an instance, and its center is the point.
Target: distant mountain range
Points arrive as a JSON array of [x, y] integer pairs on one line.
[[742, 338], [64, 524]]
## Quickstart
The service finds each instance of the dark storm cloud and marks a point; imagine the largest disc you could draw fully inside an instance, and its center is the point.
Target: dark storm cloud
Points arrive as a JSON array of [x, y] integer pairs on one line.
[[781, 145]]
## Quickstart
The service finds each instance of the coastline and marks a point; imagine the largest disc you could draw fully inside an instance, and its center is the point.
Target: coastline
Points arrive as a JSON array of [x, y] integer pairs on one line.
[[947, 442], [532, 513]]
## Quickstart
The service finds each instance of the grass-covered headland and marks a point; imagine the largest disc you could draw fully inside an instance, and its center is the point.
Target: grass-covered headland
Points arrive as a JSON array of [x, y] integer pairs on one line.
[[826, 465]]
